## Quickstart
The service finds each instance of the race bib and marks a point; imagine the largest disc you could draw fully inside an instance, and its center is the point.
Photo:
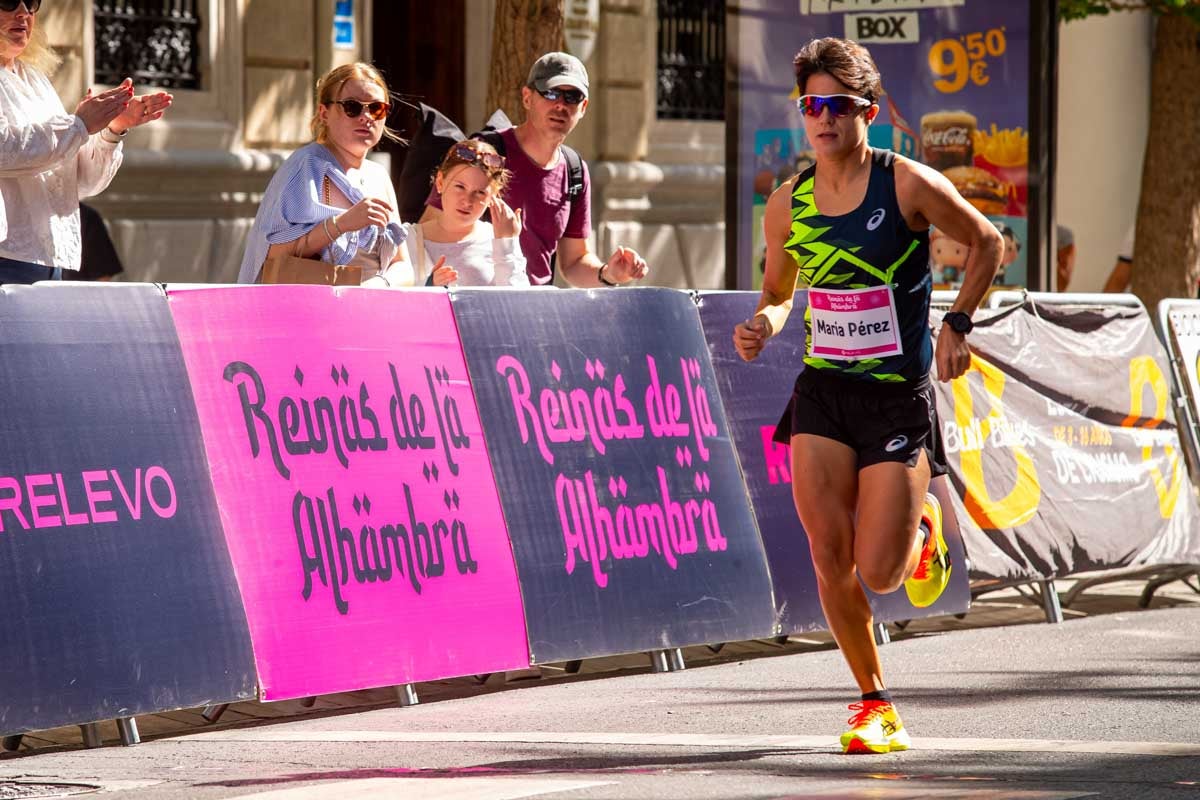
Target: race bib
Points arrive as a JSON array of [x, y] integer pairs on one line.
[[853, 324]]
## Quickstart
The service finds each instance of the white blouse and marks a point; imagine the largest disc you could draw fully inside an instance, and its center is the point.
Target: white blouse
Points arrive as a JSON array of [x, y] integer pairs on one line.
[[47, 163]]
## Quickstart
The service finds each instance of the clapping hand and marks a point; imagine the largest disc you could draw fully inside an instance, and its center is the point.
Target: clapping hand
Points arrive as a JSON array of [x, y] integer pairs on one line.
[[98, 110], [142, 109], [625, 265], [506, 223]]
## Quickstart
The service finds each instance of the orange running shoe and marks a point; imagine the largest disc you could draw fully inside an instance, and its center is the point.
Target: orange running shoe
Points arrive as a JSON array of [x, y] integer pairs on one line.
[[876, 728], [933, 570]]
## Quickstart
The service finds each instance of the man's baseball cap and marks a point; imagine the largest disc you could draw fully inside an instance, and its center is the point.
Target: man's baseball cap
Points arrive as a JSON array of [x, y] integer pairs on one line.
[[558, 69]]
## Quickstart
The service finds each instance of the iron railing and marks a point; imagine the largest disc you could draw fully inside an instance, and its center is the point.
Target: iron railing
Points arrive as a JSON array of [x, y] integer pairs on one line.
[[691, 59], [155, 42]]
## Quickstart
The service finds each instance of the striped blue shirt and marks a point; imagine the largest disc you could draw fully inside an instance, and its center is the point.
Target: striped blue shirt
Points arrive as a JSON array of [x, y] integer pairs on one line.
[[292, 205]]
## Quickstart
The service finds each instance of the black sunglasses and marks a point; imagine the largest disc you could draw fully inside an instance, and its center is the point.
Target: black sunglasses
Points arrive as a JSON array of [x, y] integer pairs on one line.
[[571, 97], [31, 6], [376, 109]]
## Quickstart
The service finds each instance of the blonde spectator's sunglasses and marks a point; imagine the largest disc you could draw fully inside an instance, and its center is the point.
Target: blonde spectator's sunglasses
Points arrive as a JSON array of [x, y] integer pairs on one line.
[[31, 6], [466, 153], [376, 109]]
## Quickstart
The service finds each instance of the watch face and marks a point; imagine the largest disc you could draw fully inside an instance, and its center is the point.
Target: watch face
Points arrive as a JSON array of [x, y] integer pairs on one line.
[[959, 321]]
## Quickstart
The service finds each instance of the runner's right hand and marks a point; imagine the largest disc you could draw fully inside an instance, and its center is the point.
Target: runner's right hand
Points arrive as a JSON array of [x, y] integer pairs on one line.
[[750, 336]]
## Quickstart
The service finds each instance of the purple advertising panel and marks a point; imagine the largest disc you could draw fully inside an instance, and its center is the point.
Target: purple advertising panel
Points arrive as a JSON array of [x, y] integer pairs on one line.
[[119, 592], [628, 515], [354, 485], [963, 93], [754, 395]]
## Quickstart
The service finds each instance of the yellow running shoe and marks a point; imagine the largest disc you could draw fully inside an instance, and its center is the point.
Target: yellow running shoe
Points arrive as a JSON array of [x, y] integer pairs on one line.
[[932, 575], [876, 728]]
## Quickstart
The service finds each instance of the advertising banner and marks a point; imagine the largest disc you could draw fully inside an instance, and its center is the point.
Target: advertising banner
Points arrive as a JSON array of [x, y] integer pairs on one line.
[[1063, 445], [628, 516], [120, 596], [755, 394], [354, 485], [958, 88]]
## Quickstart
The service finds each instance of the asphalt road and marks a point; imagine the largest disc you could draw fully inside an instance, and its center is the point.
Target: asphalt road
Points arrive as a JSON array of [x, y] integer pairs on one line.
[[1103, 706]]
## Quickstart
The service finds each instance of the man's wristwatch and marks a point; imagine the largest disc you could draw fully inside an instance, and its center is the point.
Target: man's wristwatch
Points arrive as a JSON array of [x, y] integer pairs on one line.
[[958, 322], [602, 279]]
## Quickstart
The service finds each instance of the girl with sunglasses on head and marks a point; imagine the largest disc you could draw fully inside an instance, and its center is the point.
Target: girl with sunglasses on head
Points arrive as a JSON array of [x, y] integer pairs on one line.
[[50, 159], [328, 201], [853, 229], [465, 250]]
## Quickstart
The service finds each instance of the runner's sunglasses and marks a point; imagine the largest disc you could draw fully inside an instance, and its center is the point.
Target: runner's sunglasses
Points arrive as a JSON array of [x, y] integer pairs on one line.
[[466, 153], [376, 109], [840, 105], [31, 6], [571, 97]]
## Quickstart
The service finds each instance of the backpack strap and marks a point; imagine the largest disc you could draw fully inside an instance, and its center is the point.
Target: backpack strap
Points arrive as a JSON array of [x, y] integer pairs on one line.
[[574, 172]]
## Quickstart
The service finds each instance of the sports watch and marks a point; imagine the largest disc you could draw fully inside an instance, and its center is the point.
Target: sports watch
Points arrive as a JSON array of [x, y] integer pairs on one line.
[[959, 322]]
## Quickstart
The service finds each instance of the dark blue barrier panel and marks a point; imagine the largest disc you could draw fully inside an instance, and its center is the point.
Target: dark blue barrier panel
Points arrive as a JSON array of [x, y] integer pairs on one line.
[[755, 395], [627, 512], [118, 592]]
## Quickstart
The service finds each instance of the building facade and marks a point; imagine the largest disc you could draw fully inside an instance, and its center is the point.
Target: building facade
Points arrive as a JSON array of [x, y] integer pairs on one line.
[[243, 71]]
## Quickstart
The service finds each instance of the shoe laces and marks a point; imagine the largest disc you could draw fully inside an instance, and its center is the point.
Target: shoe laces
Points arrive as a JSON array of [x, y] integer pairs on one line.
[[867, 710], [927, 553]]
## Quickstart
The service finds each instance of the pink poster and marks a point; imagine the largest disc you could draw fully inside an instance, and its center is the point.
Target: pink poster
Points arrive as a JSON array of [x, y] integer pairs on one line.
[[354, 485]]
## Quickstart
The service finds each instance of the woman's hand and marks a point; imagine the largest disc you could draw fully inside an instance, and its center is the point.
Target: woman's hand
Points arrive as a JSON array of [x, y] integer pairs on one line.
[[506, 223], [142, 109], [442, 274], [750, 336], [97, 110], [368, 211]]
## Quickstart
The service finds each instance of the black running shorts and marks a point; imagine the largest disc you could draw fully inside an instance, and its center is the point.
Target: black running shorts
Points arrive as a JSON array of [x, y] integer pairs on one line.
[[880, 422]]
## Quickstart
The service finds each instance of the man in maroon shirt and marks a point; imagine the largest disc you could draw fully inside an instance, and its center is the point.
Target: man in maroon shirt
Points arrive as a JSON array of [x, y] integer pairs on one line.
[[555, 98]]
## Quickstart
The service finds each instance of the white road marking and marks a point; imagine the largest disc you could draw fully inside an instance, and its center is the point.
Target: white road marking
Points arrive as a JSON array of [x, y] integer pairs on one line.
[[695, 740], [425, 789]]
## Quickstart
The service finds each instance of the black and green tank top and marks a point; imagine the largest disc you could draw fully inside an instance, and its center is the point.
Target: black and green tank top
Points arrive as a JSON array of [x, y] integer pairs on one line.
[[869, 283]]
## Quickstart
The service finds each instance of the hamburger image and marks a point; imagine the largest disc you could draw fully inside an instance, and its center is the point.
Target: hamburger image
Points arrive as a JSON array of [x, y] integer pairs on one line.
[[980, 188]]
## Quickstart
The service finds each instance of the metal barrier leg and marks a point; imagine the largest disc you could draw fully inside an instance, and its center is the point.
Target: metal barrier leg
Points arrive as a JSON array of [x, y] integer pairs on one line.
[[1050, 601], [675, 660], [881, 634], [127, 727], [12, 742], [407, 694], [308, 702], [658, 661], [213, 713], [91, 735], [572, 667]]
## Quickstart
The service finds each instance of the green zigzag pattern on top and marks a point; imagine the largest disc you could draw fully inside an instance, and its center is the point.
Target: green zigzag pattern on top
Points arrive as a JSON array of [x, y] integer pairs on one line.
[[816, 268]]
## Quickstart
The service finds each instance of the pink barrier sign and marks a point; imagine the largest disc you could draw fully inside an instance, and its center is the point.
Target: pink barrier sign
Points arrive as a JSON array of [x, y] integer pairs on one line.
[[354, 485]]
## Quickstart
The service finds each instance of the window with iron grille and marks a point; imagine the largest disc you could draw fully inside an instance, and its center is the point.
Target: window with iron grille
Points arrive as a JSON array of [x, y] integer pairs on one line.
[[691, 59], [155, 42]]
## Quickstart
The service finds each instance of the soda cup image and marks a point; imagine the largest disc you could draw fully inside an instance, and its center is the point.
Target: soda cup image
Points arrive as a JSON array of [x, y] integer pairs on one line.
[[948, 139]]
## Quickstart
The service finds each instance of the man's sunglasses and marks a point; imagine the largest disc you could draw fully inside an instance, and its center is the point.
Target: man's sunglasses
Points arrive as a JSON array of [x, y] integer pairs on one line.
[[31, 6], [376, 109], [840, 105], [464, 152], [571, 97]]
